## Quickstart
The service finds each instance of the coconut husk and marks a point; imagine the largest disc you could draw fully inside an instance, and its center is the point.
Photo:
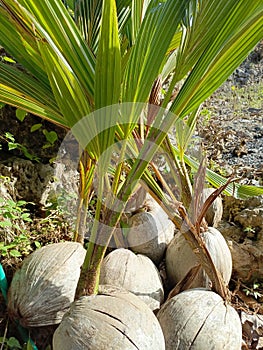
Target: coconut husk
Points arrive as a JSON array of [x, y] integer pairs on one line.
[[150, 232], [200, 319], [135, 273], [215, 212], [114, 320], [180, 258], [44, 287]]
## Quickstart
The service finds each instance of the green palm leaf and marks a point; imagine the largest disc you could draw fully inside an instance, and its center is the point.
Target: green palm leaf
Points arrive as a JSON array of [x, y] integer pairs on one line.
[[108, 75], [88, 14], [88, 18], [18, 38], [238, 33], [57, 24], [108, 65], [233, 189], [150, 48], [24, 91], [66, 87]]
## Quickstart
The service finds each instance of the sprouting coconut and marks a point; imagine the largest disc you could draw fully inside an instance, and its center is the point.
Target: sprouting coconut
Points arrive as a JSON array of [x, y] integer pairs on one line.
[[180, 258]]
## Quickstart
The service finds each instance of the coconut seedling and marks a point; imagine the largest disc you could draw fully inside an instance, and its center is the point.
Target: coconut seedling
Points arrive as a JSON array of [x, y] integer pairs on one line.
[[180, 257], [95, 78], [198, 256], [196, 242]]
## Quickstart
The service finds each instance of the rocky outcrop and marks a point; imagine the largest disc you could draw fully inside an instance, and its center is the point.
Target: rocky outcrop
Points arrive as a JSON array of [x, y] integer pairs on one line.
[[243, 228]]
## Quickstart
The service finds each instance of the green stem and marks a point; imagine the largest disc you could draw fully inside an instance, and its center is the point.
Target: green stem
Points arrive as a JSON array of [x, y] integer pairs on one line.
[[88, 281], [89, 278], [86, 168], [186, 184], [90, 272], [78, 221], [178, 167], [118, 171]]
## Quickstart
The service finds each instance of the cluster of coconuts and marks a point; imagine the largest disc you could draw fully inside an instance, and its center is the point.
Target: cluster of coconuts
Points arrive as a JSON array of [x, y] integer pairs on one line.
[[199, 318], [129, 311]]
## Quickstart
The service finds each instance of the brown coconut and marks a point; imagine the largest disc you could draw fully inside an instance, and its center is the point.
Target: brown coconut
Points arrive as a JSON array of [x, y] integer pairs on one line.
[[215, 211], [150, 232], [136, 200], [200, 319], [180, 258], [44, 287], [114, 320], [135, 273]]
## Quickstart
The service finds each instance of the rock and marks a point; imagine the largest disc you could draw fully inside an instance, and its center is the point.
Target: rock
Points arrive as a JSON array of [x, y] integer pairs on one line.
[[247, 255], [63, 189], [41, 184], [255, 111], [7, 193], [244, 231], [29, 179], [247, 214], [252, 327], [250, 218]]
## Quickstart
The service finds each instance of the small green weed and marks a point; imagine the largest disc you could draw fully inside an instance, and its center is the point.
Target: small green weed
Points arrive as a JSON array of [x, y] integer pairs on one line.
[[250, 230], [12, 212], [10, 344], [206, 115], [21, 114], [255, 290], [12, 144], [217, 168], [51, 136], [20, 246], [13, 344], [15, 217]]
